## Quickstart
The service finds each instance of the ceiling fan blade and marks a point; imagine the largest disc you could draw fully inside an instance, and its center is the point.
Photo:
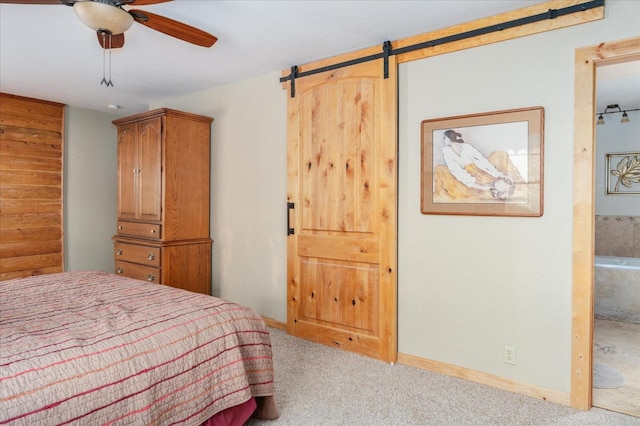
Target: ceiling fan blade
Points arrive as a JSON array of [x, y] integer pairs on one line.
[[146, 2], [117, 40], [31, 1], [173, 28], [70, 2]]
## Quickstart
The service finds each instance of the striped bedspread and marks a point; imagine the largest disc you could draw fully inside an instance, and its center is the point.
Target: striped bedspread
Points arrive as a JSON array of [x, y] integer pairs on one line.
[[91, 348]]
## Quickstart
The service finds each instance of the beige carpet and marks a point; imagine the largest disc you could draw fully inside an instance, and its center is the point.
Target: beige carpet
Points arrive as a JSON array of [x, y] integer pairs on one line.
[[319, 385]]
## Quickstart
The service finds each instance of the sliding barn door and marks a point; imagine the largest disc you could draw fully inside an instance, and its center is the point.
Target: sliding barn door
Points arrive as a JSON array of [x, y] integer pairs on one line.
[[342, 174]]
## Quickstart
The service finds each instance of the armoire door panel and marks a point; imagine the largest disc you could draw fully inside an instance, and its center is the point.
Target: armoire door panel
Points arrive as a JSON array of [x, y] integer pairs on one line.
[[150, 169], [127, 171]]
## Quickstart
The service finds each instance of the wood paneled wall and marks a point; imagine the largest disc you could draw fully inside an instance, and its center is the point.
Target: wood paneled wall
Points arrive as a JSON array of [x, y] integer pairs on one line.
[[31, 148]]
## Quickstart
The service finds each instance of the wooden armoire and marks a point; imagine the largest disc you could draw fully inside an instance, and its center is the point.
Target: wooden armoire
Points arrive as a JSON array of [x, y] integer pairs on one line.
[[163, 199]]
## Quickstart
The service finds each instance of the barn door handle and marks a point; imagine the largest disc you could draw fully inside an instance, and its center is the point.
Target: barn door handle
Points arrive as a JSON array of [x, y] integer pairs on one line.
[[290, 230]]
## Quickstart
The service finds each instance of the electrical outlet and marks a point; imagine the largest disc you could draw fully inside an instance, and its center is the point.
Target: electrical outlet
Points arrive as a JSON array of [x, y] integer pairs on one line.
[[510, 355]]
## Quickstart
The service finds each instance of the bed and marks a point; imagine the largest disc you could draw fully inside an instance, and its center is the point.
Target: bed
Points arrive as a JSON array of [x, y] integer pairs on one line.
[[90, 348]]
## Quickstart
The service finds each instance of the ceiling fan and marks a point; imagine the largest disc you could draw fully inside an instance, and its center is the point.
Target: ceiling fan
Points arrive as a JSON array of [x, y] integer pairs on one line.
[[110, 20]]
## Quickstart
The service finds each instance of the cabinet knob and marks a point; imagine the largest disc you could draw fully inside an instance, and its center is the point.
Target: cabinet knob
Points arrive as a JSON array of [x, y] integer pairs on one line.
[[151, 277], [119, 252], [153, 231], [119, 226], [151, 256], [119, 270]]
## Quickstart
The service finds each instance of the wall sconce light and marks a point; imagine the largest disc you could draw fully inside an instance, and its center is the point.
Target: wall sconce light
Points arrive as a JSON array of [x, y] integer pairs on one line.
[[616, 110], [625, 117]]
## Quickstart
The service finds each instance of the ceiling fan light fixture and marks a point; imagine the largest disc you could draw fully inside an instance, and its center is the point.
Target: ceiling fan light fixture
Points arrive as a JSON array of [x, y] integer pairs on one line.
[[101, 16]]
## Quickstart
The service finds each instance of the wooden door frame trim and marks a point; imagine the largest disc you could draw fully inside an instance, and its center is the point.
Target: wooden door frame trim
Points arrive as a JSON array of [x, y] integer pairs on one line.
[[586, 61]]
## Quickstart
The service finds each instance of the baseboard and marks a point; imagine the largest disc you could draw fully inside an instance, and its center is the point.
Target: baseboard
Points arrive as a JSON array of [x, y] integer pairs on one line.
[[274, 323], [486, 379]]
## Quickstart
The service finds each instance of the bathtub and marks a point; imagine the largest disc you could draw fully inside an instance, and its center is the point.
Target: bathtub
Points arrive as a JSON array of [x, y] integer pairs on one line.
[[617, 288]]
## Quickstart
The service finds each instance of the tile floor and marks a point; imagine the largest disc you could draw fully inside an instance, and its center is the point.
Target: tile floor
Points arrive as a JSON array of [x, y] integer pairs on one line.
[[617, 344]]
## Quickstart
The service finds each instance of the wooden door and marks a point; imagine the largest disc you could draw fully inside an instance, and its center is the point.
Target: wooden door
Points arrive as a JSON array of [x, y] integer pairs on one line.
[[342, 168], [127, 171], [149, 169]]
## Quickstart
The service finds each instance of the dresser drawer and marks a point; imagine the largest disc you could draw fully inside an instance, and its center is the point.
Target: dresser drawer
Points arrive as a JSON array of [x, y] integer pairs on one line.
[[137, 254], [139, 272], [143, 230]]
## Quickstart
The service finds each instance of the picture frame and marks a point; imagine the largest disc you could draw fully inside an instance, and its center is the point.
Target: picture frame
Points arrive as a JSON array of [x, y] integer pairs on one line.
[[486, 164], [623, 173]]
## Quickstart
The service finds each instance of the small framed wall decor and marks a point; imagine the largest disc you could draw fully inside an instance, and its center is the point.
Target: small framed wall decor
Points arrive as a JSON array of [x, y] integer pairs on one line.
[[488, 164], [623, 173]]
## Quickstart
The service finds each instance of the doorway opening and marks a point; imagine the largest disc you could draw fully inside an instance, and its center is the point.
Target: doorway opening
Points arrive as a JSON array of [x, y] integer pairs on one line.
[[616, 338], [586, 61]]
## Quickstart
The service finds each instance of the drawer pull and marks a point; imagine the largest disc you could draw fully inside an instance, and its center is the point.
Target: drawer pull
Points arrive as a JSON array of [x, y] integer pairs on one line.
[[153, 231], [119, 226], [119, 252], [119, 270], [151, 277], [151, 256]]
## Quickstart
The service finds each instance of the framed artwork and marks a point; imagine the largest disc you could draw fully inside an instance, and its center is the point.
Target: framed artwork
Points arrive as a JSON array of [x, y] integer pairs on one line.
[[623, 173], [488, 164]]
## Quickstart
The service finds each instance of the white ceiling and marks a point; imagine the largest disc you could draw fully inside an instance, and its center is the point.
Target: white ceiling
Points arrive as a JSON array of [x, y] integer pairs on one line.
[[618, 84], [47, 53]]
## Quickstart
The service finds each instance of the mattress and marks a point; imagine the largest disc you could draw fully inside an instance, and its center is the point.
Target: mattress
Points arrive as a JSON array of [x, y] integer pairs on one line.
[[89, 348]]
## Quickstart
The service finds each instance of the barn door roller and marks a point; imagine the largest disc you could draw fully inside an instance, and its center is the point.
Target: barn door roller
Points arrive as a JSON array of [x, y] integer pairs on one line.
[[386, 51], [296, 73]]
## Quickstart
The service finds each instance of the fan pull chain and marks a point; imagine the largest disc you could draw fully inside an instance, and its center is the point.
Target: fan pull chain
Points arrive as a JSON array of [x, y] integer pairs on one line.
[[104, 54], [110, 83]]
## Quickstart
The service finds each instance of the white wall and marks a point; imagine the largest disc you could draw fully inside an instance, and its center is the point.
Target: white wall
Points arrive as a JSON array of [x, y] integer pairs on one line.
[[248, 190], [471, 285], [89, 189], [467, 285], [616, 137]]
